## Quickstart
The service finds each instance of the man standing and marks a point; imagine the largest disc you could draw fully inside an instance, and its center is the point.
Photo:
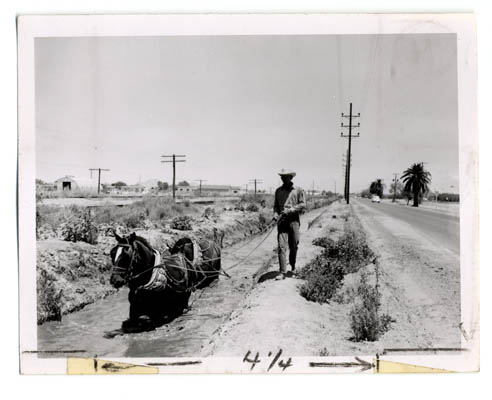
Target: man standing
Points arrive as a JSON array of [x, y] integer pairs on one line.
[[290, 202]]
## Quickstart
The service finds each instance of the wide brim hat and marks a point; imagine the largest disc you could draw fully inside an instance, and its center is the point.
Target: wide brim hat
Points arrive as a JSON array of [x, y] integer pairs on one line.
[[287, 172]]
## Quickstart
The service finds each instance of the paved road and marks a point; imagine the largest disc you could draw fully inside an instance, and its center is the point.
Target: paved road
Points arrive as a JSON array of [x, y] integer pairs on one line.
[[442, 229]]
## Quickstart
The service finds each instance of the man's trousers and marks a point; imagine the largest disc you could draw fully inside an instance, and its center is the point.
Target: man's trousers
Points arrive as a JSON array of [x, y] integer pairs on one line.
[[288, 236]]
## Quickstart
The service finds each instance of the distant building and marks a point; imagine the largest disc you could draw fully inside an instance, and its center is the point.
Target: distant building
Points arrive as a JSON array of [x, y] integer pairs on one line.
[[208, 190], [225, 190], [125, 190], [186, 190], [137, 188], [70, 183]]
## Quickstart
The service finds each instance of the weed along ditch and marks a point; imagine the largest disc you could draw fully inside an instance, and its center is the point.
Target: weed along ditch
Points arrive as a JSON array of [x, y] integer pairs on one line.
[[324, 279]]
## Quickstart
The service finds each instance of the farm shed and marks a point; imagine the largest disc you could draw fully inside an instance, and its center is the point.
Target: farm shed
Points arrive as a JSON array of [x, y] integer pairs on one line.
[[69, 183]]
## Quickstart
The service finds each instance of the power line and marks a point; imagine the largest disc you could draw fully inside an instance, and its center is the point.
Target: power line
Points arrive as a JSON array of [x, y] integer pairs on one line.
[[174, 161], [98, 177], [256, 182], [201, 180], [349, 150]]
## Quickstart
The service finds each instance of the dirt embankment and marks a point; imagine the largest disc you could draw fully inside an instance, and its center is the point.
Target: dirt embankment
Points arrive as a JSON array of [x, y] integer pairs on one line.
[[72, 275]]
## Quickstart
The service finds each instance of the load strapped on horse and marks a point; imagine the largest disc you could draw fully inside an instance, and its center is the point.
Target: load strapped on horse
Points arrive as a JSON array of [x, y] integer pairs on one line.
[[161, 285]]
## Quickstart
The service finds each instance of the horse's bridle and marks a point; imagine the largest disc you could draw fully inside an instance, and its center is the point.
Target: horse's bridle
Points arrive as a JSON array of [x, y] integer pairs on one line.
[[128, 271]]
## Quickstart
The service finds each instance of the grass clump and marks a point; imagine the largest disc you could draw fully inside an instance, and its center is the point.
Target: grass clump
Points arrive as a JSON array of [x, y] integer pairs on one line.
[[210, 213], [182, 223], [365, 321], [253, 207], [323, 278]]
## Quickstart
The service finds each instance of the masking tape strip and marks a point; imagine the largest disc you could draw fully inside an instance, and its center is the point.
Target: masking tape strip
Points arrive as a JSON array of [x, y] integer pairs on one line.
[[94, 366], [391, 367]]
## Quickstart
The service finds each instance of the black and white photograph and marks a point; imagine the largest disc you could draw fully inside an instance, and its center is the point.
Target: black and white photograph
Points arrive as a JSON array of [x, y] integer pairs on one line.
[[254, 194]]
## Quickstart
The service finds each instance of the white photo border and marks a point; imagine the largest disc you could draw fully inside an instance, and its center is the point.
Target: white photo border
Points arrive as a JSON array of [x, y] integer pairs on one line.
[[463, 25]]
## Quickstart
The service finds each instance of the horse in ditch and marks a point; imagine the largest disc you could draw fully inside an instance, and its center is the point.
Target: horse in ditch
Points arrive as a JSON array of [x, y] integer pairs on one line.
[[161, 285]]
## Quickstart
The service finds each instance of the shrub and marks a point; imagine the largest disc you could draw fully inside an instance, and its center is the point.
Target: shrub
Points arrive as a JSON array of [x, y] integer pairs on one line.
[[263, 220], [239, 207], [365, 321], [134, 219], [209, 213], [351, 249], [159, 213], [324, 277], [79, 226], [182, 223], [252, 207], [324, 242], [51, 216], [324, 352], [49, 308], [263, 199]]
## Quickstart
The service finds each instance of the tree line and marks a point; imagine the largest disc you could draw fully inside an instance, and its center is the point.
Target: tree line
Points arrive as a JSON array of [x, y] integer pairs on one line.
[[413, 185]]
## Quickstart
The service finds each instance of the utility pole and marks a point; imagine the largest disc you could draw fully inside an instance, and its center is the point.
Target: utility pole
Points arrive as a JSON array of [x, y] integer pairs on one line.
[[256, 182], [345, 158], [335, 188], [394, 186], [201, 180], [349, 152], [98, 177], [174, 161], [346, 180], [344, 175]]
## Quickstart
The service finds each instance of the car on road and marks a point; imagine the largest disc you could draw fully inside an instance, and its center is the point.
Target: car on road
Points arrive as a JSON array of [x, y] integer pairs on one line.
[[375, 199]]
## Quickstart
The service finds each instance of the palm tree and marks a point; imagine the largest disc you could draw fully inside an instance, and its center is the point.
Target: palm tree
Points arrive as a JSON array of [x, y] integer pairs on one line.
[[377, 187], [416, 181]]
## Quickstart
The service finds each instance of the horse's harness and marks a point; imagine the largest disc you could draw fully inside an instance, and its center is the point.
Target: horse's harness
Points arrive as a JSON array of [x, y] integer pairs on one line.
[[191, 265], [174, 282]]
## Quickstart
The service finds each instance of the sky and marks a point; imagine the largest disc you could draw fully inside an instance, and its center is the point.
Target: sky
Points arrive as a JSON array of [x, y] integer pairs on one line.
[[244, 107]]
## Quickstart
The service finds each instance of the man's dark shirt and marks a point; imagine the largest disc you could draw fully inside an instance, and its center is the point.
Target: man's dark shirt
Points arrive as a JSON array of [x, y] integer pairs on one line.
[[292, 199]]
